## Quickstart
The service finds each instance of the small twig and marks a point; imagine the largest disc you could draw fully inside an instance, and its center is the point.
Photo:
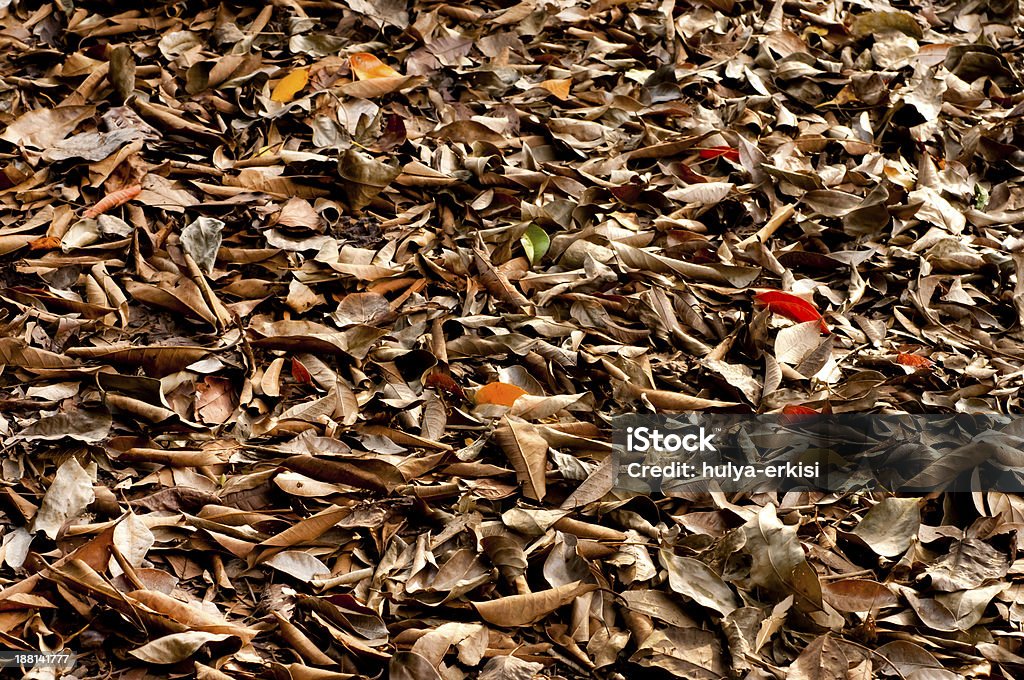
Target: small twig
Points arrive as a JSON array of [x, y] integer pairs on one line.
[[852, 574]]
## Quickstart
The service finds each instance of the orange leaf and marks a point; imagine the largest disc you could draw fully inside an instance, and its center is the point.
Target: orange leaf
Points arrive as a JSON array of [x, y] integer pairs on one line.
[[798, 409], [499, 393], [913, 360], [559, 88], [290, 85], [45, 243], [112, 200], [365, 66]]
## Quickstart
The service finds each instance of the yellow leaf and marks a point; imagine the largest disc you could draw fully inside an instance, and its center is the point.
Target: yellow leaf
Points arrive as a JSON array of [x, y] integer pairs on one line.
[[290, 85], [559, 88], [365, 66], [499, 393]]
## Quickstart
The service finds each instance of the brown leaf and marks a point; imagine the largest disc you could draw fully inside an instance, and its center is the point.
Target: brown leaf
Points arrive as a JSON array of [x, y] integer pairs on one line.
[[15, 352], [497, 283], [176, 646], [528, 452], [43, 128], [825, 659], [697, 581], [890, 526], [364, 177], [522, 610], [778, 560], [361, 473], [188, 615], [857, 595], [671, 401]]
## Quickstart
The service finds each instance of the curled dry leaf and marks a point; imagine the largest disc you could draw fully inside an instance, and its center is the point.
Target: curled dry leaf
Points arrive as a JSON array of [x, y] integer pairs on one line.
[[363, 177], [890, 527], [527, 449], [778, 560], [522, 610], [697, 581], [298, 565]]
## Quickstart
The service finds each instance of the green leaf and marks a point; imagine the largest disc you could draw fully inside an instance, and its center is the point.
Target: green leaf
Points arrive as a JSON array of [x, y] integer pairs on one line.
[[535, 242], [980, 197]]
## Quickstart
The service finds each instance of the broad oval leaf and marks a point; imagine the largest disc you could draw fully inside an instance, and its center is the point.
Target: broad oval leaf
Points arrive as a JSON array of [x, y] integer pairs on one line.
[[365, 66], [290, 85], [502, 394]]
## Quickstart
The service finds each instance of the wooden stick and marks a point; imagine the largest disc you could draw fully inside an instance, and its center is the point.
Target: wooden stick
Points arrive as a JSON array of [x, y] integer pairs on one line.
[[778, 218]]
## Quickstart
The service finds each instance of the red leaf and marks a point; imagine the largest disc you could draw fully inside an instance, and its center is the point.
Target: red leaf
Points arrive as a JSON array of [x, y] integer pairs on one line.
[[790, 306], [300, 373], [686, 173], [719, 151], [445, 383], [794, 414], [627, 193]]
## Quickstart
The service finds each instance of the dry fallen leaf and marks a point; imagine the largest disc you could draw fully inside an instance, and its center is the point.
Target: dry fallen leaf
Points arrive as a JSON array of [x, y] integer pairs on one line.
[[366, 66], [175, 647], [68, 495], [527, 449], [557, 87], [502, 394], [289, 86], [522, 610]]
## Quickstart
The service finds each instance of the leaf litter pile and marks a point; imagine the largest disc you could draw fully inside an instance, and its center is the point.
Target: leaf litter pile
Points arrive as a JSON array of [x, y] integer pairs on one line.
[[315, 315]]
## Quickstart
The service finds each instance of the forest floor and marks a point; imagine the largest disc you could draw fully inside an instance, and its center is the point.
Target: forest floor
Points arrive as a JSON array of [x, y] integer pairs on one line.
[[315, 317]]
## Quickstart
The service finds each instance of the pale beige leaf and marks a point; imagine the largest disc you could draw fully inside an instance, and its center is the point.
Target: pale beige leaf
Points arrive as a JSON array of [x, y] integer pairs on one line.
[[522, 610], [69, 494], [133, 539], [176, 647]]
